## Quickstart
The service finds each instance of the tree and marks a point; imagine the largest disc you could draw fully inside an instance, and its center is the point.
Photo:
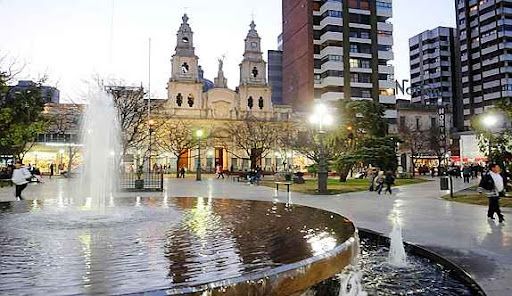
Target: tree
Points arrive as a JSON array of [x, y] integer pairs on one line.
[[21, 118], [64, 120], [176, 137], [251, 138], [496, 141], [415, 141], [132, 111]]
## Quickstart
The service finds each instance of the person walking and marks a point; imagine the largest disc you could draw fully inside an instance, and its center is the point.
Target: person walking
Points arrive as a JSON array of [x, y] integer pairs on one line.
[[182, 172], [52, 169], [389, 180], [20, 177], [219, 171], [371, 177], [466, 173], [494, 184], [379, 182]]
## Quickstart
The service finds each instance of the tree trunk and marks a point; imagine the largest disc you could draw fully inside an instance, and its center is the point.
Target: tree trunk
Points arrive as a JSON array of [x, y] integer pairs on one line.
[[70, 161], [178, 167], [413, 166]]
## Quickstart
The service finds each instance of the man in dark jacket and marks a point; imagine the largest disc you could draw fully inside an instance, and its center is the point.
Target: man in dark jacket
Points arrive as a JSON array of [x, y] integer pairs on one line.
[[494, 184]]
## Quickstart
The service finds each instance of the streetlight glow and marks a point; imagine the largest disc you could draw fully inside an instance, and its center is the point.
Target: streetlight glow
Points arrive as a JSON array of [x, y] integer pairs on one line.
[[490, 120], [199, 133]]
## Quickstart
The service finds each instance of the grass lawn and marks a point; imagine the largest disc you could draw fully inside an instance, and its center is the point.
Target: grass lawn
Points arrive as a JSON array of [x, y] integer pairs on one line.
[[335, 187], [477, 199]]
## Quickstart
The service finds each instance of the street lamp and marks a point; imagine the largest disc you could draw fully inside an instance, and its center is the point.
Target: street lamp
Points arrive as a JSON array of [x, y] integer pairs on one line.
[[199, 135], [151, 130], [321, 118], [491, 122]]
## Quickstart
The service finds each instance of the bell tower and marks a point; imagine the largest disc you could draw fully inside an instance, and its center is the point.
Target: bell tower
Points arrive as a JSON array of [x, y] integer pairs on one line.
[[253, 69], [185, 87], [255, 93], [185, 63]]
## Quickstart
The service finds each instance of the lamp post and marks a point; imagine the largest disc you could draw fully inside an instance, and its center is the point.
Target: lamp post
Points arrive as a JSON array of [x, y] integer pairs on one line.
[[199, 135], [321, 118], [151, 130]]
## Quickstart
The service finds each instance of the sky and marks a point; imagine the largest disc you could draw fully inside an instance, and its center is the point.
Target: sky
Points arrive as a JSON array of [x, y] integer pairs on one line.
[[73, 41]]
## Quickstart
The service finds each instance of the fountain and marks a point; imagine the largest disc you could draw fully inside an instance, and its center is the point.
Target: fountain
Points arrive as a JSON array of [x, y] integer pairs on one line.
[[164, 245], [101, 136], [397, 256]]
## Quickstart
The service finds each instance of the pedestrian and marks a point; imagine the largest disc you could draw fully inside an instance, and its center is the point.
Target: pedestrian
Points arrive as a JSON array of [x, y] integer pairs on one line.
[[466, 173], [494, 184], [182, 172], [371, 177], [52, 169], [20, 177], [389, 180], [219, 171], [379, 182]]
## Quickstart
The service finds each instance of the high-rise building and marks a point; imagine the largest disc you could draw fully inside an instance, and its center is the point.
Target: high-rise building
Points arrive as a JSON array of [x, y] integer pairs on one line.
[[485, 32], [275, 75], [336, 50], [435, 69]]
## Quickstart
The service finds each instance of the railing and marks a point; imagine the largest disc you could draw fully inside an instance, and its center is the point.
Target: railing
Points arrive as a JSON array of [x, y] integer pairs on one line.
[[146, 182]]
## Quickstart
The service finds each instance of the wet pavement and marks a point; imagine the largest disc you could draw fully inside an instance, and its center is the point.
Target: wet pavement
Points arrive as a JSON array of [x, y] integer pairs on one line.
[[457, 231]]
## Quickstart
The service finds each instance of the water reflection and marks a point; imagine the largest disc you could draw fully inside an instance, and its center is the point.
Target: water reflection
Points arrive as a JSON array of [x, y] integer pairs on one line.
[[149, 244]]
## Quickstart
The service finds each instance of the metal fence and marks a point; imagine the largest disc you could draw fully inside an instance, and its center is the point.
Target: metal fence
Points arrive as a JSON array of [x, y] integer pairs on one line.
[[144, 182]]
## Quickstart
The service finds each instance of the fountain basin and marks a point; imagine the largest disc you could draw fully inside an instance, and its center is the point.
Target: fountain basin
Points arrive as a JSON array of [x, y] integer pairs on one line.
[[171, 246]]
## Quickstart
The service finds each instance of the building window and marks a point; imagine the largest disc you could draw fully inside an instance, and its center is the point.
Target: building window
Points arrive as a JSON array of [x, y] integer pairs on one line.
[[184, 68], [250, 102], [190, 100], [260, 103], [354, 48], [354, 63], [418, 124], [179, 100], [254, 72]]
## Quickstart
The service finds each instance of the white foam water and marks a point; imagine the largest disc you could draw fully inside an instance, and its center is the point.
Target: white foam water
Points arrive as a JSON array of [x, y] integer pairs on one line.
[[397, 256], [101, 155]]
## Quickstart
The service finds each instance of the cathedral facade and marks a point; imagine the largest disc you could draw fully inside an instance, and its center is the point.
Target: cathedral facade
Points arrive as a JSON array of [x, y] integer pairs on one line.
[[205, 105], [190, 95]]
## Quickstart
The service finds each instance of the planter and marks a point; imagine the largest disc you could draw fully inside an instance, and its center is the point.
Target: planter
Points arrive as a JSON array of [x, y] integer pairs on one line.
[[139, 184]]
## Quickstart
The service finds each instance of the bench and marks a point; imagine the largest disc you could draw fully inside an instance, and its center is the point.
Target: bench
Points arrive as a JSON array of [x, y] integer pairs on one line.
[[287, 184]]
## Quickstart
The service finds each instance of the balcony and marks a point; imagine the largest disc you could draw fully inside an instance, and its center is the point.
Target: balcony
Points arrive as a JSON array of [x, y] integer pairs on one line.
[[337, 36], [386, 69], [386, 55], [387, 99]]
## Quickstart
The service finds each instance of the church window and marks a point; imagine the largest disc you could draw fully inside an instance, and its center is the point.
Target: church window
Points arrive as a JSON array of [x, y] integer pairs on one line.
[[190, 101], [184, 68], [185, 39], [254, 72], [250, 102], [254, 44], [260, 103], [179, 100]]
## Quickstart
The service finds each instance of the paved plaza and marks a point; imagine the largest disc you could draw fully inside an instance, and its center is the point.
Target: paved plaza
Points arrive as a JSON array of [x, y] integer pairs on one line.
[[457, 231]]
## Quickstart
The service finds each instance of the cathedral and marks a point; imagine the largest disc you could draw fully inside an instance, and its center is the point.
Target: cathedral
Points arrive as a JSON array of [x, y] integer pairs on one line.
[[202, 104], [192, 96]]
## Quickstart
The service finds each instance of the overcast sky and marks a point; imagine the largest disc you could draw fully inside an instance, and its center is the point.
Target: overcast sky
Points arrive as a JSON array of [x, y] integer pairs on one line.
[[73, 40]]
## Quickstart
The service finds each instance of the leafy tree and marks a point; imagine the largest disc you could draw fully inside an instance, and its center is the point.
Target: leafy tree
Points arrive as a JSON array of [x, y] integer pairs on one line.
[[496, 142], [21, 118]]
